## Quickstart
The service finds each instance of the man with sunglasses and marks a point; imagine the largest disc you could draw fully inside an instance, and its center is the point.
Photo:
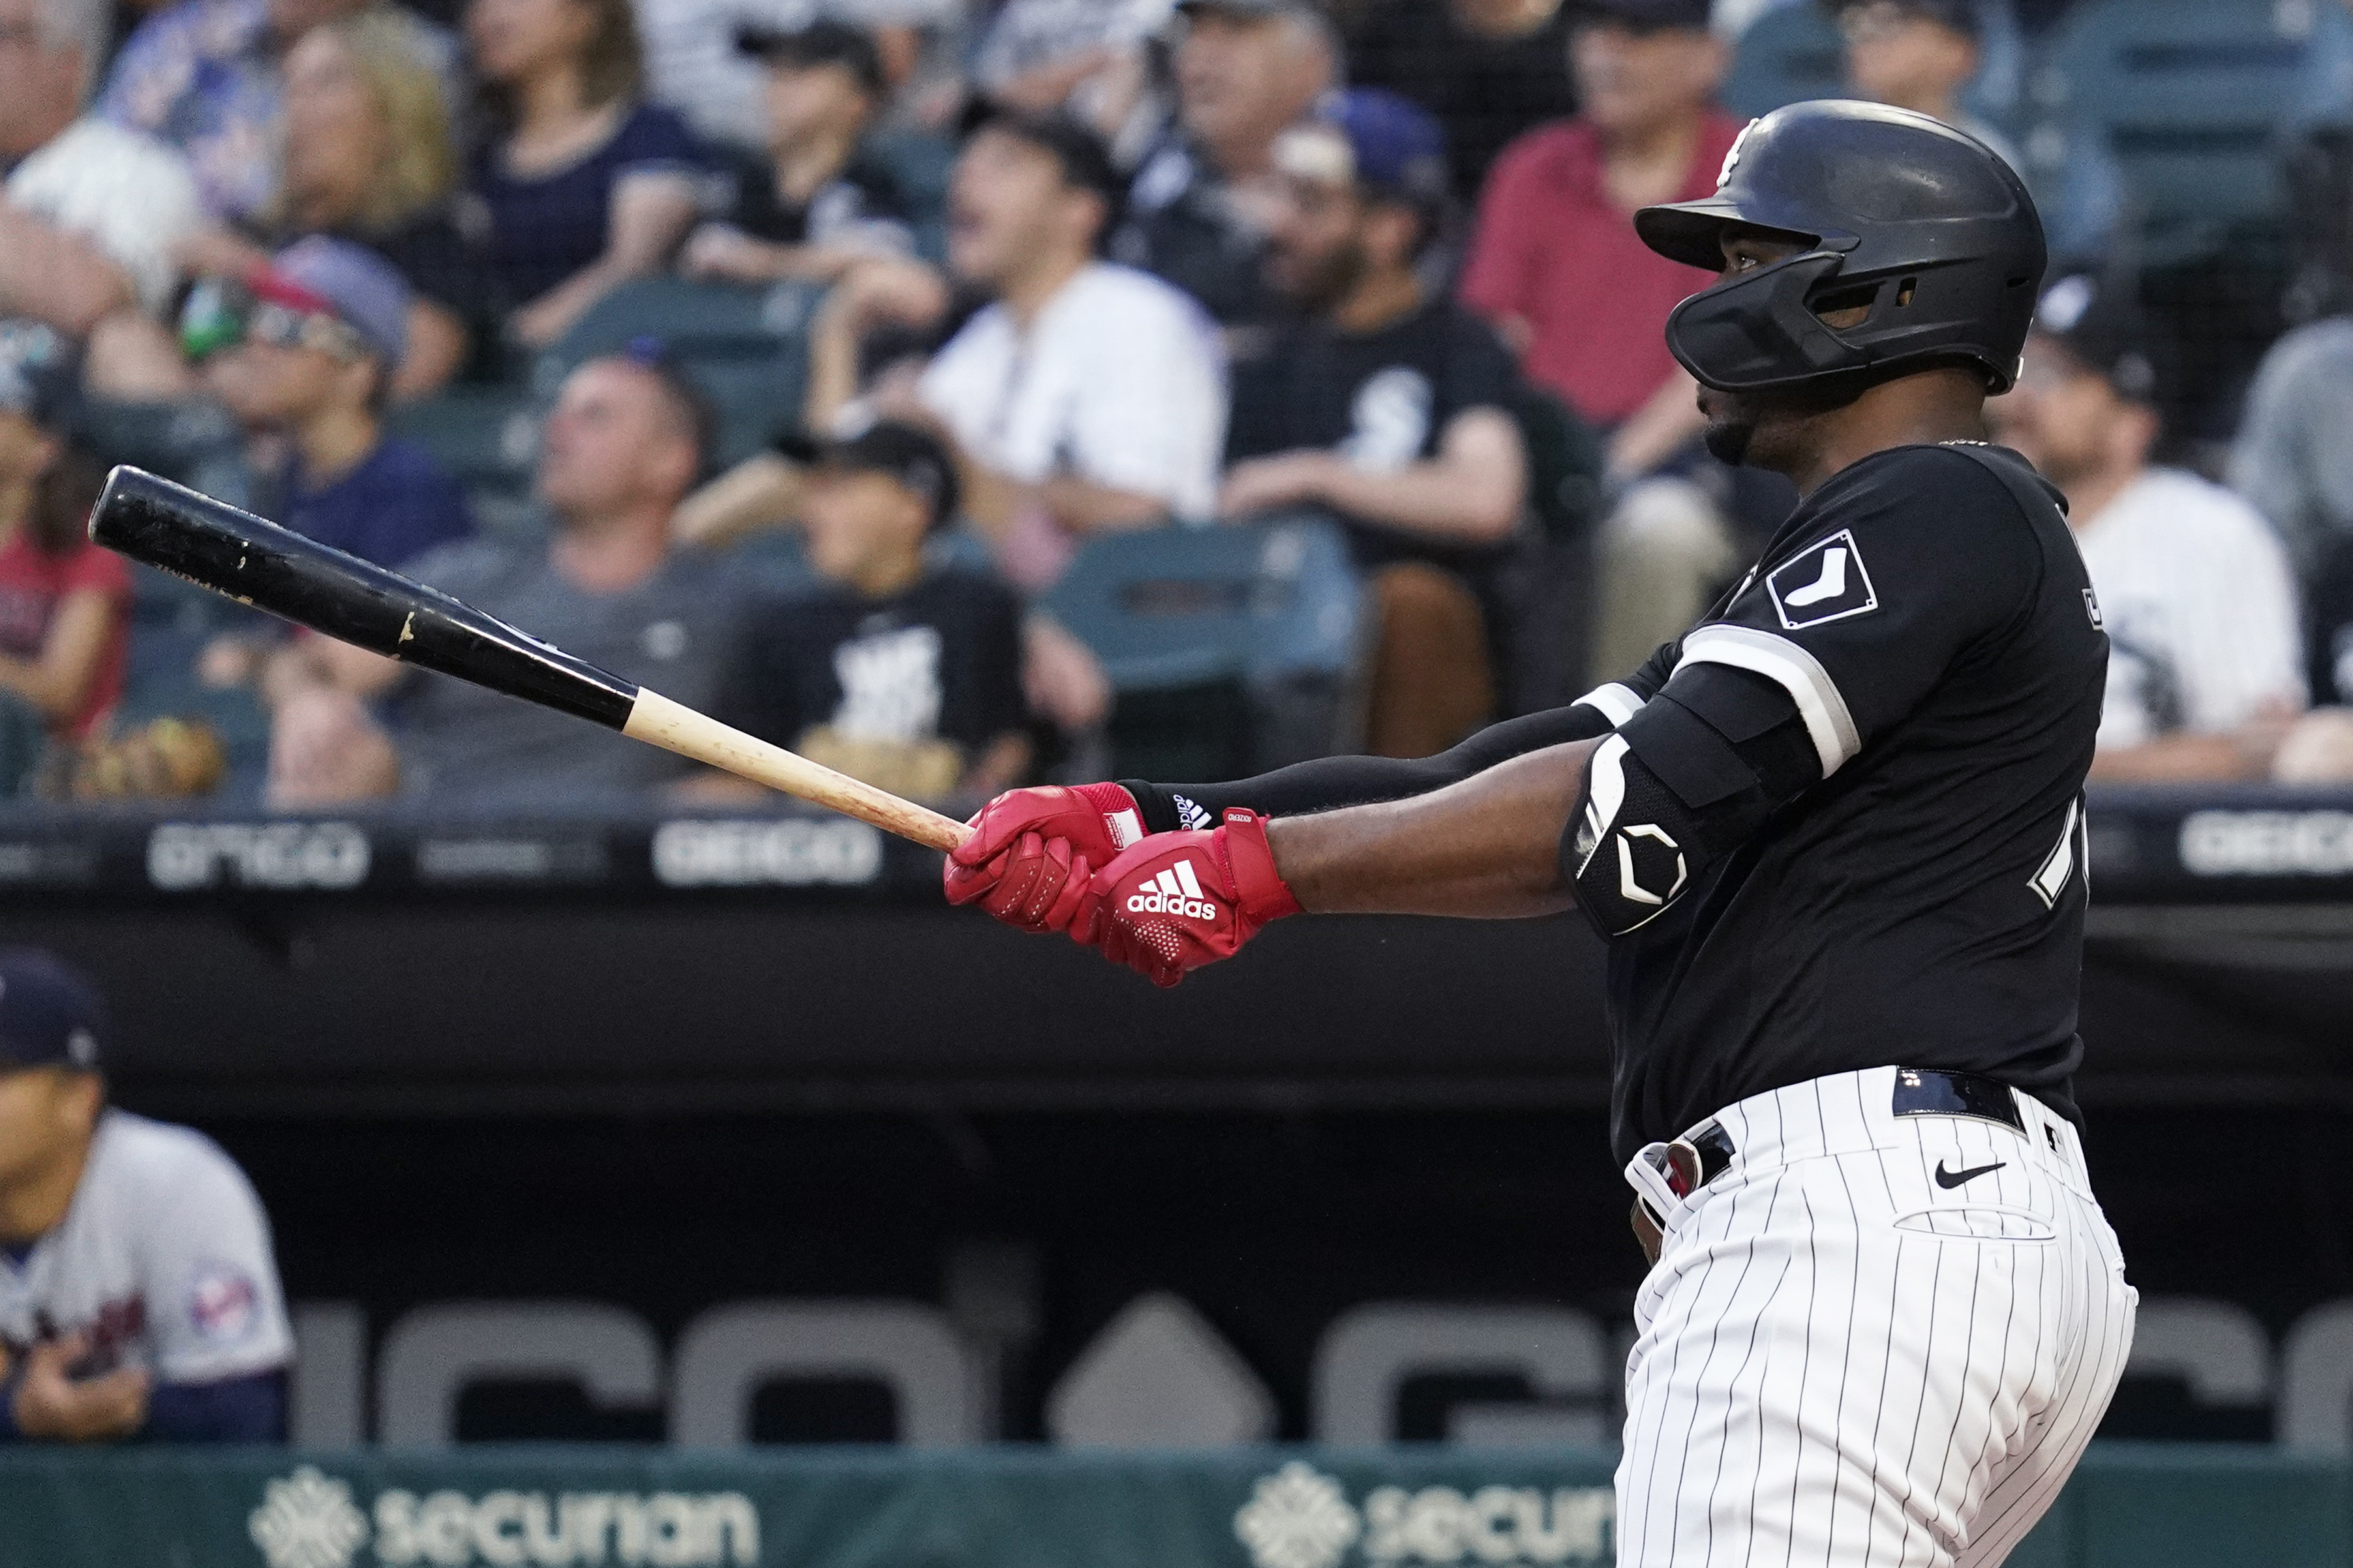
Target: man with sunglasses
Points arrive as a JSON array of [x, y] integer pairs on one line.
[[301, 353]]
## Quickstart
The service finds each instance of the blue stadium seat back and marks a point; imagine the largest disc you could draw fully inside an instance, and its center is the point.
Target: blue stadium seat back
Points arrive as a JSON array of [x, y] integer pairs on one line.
[[1794, 52], [1996, 92], [922, 162], [487, 436], [957, 545], [745, 348], [771, 562], [1789, 54], [159, 681], [2190, 96], [1180, 606], [195, 443]]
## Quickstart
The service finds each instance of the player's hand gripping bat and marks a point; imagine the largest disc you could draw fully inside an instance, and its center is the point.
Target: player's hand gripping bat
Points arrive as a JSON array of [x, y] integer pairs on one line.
[[258, 562]]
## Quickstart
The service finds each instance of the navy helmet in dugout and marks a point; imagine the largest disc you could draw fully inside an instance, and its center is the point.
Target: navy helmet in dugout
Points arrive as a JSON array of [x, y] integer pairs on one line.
[[1925, 226]]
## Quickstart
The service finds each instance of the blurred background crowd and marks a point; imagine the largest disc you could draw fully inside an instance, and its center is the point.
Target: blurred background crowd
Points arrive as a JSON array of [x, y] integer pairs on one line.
[[973, 392]]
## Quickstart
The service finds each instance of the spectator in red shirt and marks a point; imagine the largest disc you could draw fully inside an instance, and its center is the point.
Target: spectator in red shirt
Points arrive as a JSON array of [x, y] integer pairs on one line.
[[64, 602], [1556, 265]]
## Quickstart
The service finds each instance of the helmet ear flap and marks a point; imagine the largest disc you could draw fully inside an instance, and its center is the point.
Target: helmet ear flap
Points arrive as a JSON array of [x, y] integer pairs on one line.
[[1758, 332]]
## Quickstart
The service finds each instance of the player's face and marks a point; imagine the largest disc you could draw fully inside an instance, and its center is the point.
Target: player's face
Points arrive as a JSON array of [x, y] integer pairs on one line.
[[45, 1113], [1735, 420]]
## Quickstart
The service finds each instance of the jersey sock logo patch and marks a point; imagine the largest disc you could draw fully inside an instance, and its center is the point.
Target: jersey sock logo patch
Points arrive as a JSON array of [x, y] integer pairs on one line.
[[1175, 891], [1827, 582]]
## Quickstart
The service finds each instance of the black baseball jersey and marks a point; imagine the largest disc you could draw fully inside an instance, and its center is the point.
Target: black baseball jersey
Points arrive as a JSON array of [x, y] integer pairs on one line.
[[1929, 614], [1922, 903]]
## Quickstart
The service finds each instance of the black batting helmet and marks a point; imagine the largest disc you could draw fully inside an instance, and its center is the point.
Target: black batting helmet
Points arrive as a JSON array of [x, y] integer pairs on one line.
[[1925, 226]]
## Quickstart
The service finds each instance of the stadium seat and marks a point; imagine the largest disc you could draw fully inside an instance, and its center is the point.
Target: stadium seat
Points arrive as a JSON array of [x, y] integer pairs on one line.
[[922, 164], [487, 437], [194, 443], [1793, 52], [2190, 96], [159, 681], [1787, 54], [1231, 649], [744, 347]]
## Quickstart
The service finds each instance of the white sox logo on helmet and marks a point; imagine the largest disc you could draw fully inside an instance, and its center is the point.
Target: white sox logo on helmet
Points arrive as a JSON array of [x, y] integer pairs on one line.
[[1175, 891]]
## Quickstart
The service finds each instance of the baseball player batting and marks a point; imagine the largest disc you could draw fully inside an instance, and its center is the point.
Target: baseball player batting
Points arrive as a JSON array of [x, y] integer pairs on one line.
[[1833, 837]]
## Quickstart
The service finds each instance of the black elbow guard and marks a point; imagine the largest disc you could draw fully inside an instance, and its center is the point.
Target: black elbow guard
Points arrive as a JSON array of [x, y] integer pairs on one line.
[[1629, 853], [1672, 793]]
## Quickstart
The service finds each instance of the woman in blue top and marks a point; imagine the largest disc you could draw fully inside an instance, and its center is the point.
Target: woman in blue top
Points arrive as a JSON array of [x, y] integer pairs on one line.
[[585, 185]]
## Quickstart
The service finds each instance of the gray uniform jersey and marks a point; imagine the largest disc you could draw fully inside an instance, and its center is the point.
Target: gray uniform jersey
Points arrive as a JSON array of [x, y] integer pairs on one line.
[[165, 1259], [673, 632]]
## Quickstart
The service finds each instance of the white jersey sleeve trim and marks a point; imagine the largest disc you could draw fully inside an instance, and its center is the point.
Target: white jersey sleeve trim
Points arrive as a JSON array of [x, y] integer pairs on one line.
[[1616, 703], [1792, 669]]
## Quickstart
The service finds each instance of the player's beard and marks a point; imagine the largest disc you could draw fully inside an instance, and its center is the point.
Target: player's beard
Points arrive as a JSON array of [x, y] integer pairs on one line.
[[1728, 435]]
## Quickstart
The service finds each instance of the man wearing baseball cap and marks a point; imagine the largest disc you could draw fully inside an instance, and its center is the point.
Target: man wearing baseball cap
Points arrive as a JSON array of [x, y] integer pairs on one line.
[[1389, 407], [138, 1292], [1918, 55], [302, 353], [1202, 197], [2195, 593], [821, 200], [894, 671]]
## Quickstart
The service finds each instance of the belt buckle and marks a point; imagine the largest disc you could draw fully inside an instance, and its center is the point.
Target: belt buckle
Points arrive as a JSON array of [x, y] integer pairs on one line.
[[1684, 1171]]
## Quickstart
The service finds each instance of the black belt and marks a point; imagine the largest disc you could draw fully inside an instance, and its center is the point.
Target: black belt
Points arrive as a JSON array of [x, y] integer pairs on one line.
[[1932, 1091], [1696, 1161]]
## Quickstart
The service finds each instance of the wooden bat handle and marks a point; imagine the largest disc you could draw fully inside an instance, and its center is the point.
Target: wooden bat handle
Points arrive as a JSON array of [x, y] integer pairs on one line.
[[675, 727]]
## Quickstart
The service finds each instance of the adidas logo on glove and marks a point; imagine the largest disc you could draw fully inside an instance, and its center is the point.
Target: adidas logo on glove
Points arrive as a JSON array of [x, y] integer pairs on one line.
[[1175, 891]]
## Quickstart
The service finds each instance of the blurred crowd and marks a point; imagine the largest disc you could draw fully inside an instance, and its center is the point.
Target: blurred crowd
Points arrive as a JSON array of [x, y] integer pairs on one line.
[[1042, 282]]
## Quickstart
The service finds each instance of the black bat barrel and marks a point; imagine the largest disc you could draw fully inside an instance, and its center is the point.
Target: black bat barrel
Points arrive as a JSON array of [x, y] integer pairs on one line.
[[257, 562]]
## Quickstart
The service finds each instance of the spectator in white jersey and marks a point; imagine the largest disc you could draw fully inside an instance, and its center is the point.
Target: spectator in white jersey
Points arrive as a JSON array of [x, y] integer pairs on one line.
[[138, 1297], [2205, 665], [1083, 398]]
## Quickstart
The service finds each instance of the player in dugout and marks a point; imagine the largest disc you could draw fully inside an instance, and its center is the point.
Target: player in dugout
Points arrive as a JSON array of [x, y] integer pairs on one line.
[[1833, 837], [138, 1297]]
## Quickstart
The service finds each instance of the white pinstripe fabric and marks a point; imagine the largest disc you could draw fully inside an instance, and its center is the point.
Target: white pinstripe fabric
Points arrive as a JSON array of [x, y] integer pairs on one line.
[[1841, 1364]]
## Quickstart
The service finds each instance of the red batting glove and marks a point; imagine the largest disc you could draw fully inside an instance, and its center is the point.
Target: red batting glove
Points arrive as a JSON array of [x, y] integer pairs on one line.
[[1034, 851], [1179, 900]]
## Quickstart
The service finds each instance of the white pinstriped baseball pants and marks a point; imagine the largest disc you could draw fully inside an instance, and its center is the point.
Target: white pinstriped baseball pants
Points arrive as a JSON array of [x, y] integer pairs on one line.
[[1841, 1362]]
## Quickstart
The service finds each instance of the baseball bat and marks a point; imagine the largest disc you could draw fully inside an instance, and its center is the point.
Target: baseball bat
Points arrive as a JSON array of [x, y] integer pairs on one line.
[[257, 562]]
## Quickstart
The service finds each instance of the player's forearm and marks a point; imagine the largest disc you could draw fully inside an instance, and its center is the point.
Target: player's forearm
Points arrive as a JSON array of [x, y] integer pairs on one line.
[[1330, 783], [1485, 849]]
